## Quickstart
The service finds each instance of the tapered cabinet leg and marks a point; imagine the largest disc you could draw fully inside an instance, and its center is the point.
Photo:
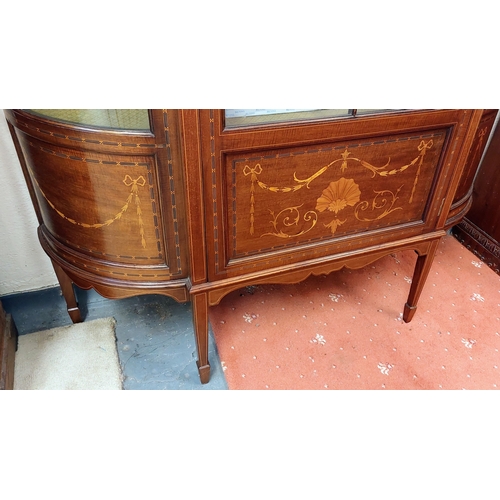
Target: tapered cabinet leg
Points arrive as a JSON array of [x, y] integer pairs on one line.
[[422, 268], [200, 320], [68, 293]]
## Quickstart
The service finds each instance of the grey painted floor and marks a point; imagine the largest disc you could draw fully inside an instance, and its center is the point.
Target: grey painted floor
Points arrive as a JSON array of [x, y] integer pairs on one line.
[[155, 337]]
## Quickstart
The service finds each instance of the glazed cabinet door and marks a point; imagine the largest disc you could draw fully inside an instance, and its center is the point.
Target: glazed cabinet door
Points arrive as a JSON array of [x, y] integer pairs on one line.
[[284, 193], [107, 186]]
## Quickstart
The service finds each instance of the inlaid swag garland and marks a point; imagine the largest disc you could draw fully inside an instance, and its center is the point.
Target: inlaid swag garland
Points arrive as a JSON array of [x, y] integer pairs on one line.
[[128, 181], [337, 195], [134, 194]]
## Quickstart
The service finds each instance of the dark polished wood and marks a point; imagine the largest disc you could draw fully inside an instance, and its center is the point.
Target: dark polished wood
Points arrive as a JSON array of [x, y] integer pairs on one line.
[[479, 231], [68, 294], [195, 209], [466, 191], [422, 268], [200, 320], [8, 345]]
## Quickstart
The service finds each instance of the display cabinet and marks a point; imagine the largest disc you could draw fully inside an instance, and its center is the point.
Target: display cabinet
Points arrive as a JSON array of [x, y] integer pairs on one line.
[[197, 203]]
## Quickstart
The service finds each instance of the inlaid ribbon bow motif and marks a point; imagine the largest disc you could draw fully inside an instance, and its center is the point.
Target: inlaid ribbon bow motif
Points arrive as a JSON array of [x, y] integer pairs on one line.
[[422, 148], [254, 172], [140, 181], [128, 181]]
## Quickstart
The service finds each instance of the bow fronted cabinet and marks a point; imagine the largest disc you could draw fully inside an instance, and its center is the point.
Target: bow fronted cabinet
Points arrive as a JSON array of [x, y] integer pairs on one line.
[[194, 204]]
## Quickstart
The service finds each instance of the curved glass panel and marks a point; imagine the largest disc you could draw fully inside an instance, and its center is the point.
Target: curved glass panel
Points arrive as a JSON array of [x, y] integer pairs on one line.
[[121, 119]]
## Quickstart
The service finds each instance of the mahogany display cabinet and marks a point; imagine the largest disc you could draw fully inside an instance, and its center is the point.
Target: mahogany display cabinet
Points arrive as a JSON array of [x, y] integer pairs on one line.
[[194, 204]]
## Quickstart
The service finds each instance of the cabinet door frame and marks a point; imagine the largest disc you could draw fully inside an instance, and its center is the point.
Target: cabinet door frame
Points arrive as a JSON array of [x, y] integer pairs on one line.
[[217, 142]]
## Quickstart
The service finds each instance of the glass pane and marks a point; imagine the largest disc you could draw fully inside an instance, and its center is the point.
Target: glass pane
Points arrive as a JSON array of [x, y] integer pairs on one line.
[[372, 111], [123, 119], [249, 117]]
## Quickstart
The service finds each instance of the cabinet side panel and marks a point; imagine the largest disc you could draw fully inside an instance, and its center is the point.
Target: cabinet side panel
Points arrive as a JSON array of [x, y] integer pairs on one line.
[[99, 204]]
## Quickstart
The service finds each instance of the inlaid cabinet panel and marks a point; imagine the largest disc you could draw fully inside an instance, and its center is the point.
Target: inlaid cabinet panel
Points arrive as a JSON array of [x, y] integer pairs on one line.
[[285, 195], [110, 202], [295, 196], [464, 194]]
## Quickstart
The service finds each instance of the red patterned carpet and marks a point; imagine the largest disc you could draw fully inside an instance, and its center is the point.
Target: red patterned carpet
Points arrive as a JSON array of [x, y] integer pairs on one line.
[[345, 330]]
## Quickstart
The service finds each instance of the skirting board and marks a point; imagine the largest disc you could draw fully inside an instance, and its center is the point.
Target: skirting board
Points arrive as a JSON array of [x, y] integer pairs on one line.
[[8, 343], [478, 242]]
